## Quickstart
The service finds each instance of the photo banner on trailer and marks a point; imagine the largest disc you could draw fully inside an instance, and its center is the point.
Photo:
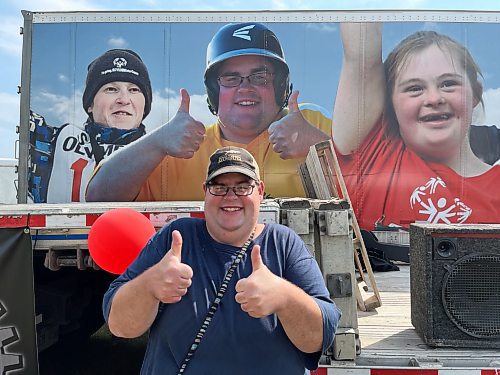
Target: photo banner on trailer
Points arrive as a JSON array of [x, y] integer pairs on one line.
[[422, 143]]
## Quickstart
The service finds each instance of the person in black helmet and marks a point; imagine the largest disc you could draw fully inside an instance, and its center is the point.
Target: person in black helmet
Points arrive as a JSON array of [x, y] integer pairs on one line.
[[248, 86], [117, 98]]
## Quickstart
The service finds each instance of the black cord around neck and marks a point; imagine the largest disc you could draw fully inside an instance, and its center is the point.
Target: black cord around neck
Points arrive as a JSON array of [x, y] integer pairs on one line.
[[215, 304]]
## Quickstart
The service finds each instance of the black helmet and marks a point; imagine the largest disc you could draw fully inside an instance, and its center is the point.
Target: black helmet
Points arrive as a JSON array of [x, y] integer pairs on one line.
[[241, 39]]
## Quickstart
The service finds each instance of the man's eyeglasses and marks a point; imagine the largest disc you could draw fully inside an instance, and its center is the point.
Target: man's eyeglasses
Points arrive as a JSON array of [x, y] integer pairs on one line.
[[257, 79], [221, 190]]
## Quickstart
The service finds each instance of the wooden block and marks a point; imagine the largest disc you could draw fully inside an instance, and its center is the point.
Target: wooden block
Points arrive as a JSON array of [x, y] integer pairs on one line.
[[321, 173]]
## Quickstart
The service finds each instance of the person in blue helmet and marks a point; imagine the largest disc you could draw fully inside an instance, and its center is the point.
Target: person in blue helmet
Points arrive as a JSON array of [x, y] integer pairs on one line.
[[247, 81]]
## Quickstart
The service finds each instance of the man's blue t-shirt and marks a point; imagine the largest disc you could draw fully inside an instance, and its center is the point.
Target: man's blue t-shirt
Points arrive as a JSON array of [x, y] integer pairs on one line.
[[234, 343]]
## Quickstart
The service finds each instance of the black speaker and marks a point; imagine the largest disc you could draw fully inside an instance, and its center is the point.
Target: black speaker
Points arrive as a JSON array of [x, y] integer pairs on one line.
[[455, 284]]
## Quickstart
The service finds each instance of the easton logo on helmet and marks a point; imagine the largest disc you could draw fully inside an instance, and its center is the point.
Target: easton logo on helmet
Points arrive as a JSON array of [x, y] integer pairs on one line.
[[243, 32]]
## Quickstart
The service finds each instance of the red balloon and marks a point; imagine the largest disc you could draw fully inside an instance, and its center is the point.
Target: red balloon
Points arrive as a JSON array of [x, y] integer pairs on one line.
[[117, 237]]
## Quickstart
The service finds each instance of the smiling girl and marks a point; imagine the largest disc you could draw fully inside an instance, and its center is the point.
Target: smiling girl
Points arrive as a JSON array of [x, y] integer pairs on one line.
[[404, 148]]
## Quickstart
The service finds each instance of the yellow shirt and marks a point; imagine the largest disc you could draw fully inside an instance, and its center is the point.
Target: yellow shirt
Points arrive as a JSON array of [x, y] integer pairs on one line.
[[178, 179]]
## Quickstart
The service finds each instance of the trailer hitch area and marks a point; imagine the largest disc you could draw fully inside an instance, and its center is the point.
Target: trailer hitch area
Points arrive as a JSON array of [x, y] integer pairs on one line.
[[58, 257]]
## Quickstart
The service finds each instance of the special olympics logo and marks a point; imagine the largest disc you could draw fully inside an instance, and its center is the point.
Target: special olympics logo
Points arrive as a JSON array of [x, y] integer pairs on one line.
[[120, 62], [431, 201]]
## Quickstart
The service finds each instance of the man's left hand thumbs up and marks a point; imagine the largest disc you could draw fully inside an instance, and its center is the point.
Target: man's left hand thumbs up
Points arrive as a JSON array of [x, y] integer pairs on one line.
[[256, 259], [292, 135], [258, 293]]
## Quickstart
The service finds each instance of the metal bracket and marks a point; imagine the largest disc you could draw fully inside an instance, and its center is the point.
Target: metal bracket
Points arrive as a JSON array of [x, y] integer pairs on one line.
[[300, 221], [58, 257], [339, 285], [333, 223]]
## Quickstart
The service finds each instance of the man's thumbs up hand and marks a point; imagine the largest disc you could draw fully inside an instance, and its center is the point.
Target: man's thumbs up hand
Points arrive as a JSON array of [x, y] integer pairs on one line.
[[185, 101], [176, 248], [256, 259], [182, 135], [258, 293], [292, 135], [171, 277]]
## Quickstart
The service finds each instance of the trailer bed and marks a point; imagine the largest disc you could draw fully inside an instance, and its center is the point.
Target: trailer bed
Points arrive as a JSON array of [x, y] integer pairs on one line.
[[389, 339]]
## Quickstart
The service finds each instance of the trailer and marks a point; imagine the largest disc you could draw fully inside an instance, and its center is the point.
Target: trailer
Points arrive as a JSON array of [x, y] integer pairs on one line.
[[50, 287]]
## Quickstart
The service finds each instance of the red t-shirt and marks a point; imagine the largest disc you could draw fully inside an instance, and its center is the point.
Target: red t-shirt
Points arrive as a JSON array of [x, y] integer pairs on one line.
[[390, 184]]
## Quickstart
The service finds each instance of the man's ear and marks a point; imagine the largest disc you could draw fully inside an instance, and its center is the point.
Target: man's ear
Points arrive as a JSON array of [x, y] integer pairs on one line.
[[90, 108], [261, 190]]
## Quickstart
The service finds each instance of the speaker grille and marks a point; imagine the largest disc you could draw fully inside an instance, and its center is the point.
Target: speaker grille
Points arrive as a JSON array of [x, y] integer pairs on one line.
[[471, 294]]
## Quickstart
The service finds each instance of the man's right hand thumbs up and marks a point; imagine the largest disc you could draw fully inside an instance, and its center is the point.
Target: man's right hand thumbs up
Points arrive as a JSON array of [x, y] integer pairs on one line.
[[185, 101], [171, 278], [176, 248], [182, 135]]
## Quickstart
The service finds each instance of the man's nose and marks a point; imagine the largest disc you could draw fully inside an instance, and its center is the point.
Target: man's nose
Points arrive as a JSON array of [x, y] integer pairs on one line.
[[231, 194], [123, 97], [245, 82]]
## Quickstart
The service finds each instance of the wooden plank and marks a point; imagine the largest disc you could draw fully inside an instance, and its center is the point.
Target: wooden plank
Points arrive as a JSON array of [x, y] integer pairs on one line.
[[322, 185], [307, 183], [321, 172]]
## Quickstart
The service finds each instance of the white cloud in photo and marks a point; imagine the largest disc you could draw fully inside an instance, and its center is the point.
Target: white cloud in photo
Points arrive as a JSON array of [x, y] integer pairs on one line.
[[323, 27], [434, 26], [60, 109], [117, 42], [491, 99]]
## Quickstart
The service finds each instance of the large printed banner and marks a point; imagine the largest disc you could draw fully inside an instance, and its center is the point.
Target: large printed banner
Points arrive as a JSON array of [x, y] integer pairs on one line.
[[18, 353], [417, 137]]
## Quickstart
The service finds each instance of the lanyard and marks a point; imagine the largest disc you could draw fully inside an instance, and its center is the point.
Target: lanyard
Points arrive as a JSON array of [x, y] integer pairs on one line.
[[215, 304]]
